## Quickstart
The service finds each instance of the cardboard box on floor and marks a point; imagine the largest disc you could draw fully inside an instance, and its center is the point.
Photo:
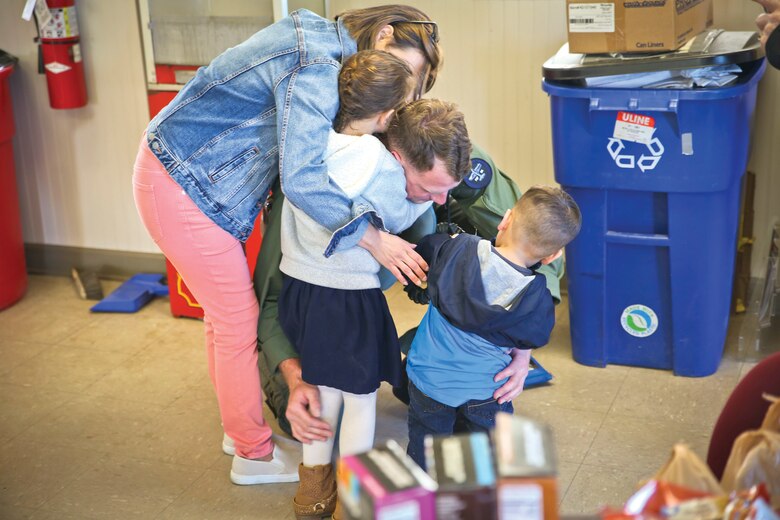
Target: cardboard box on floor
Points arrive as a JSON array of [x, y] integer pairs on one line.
[[462, 466], [527, 468], [385, 483], [634, 25]]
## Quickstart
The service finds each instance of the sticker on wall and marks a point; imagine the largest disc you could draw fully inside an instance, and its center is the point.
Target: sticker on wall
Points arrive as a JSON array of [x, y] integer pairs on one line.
[[639, 320]]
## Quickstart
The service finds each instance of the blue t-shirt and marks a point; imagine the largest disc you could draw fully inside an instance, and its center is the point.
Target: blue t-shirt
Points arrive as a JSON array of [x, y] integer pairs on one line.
[[453, 365]]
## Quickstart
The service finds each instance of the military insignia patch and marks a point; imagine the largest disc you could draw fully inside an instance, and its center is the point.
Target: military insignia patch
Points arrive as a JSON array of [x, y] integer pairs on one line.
[[480, 175]]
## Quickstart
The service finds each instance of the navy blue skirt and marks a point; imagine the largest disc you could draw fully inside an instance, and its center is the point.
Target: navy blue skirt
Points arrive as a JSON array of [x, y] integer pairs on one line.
[[345, 339]]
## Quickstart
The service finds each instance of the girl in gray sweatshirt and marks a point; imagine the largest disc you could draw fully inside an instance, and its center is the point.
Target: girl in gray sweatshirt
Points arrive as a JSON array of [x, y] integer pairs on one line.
[[331, 308]]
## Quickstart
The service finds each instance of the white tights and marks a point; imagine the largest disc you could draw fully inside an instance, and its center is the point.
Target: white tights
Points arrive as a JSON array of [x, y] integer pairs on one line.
[[357, 425]]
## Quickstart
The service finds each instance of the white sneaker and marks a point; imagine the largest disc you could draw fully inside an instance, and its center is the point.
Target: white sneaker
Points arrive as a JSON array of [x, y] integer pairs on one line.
[[282, 468], [229, 446]]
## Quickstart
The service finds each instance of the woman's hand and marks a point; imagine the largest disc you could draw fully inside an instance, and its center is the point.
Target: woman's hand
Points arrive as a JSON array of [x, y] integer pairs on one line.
[[395, 254], [516, 371]]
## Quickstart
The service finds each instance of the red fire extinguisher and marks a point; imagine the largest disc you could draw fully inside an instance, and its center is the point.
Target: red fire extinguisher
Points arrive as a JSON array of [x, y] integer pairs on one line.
[[60, 55]]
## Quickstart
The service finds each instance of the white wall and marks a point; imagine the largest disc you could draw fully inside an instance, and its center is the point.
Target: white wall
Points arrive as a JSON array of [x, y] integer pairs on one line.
[[74, 166], [765, 155]]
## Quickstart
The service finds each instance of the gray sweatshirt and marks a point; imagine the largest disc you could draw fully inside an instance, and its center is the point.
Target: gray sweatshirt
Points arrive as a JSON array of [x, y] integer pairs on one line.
[[363, 168]]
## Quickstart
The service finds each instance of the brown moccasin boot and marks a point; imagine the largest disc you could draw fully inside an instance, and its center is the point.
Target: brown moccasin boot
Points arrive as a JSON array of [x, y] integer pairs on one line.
[[338, 513], [316, 495]]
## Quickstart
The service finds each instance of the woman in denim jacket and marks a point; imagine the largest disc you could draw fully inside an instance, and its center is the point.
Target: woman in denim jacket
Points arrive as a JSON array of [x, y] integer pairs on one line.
[[205, 165]]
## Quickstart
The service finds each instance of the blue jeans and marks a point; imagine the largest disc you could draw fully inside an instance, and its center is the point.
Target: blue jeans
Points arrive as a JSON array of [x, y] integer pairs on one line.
[[430, 417]]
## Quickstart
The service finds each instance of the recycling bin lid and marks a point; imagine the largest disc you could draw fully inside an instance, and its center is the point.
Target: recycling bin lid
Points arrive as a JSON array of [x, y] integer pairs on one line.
[[7, 61], [711, 47]]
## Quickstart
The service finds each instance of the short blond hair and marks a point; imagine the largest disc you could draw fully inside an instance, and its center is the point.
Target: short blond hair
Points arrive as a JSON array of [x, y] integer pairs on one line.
[[545, 219]]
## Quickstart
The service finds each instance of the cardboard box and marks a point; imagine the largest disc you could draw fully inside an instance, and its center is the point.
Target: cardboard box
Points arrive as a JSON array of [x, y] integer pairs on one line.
[[634, 25], [525, 453], [385, 483], [462, 466], [528, 498]]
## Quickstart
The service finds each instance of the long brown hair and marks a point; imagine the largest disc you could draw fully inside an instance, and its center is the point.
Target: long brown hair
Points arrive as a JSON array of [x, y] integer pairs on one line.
[[364, 26], [371, 82]]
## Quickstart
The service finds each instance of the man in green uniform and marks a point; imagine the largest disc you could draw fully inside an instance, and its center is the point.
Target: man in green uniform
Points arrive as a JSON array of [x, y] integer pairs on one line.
[[477, 206]]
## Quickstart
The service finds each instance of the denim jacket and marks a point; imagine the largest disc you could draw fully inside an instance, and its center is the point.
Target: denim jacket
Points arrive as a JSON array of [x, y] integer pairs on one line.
[[260, 109]]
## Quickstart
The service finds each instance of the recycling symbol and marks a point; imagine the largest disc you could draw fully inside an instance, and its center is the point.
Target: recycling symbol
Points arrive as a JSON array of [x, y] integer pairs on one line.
[[644, 162]]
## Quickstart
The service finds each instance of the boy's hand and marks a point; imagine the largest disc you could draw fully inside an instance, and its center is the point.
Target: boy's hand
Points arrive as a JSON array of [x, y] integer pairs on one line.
[[516, 371]]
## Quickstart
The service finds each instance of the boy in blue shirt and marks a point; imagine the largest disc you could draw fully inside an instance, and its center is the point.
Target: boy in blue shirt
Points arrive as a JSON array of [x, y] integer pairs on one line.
[[485, 301]]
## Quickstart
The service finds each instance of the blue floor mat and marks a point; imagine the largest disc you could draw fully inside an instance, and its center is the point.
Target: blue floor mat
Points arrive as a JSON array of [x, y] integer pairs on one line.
[[537, 375], [133, 294]]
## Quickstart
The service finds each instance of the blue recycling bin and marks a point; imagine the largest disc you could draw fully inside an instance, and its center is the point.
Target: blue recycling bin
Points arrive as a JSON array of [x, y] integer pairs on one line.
[[657, 175]]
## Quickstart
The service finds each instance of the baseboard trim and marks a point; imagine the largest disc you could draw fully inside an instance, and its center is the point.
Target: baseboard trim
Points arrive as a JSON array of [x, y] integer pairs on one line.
[[106, 263]]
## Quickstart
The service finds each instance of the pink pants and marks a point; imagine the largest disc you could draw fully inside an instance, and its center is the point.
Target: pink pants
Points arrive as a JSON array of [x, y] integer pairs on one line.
[[213, 265]]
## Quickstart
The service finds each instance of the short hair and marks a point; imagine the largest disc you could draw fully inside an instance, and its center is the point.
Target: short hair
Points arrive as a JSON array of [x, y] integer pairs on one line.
[[364, 26], [546, 218], [372, 82], [430, 128]]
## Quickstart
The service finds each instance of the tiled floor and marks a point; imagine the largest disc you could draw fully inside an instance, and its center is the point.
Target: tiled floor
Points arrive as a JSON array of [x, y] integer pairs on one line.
[[113, 416]]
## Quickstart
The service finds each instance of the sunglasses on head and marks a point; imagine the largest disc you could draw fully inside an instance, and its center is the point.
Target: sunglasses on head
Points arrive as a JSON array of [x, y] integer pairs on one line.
[[433, 27]]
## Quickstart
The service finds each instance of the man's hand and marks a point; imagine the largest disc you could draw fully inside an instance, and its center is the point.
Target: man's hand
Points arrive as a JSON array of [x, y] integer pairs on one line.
[[449, 228], [303, 407], [516, 371], [769, 20], [395, 254]]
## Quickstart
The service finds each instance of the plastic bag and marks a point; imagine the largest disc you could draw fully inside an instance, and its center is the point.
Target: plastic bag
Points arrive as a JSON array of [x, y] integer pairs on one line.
[[656, 495], [772, 417], [685, 468], [707, 508], [754, 459], [751, 504]]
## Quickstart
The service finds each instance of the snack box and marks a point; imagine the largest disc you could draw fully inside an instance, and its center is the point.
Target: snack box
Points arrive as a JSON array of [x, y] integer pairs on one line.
[[385, 484], [462, 466], [525, 456]]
